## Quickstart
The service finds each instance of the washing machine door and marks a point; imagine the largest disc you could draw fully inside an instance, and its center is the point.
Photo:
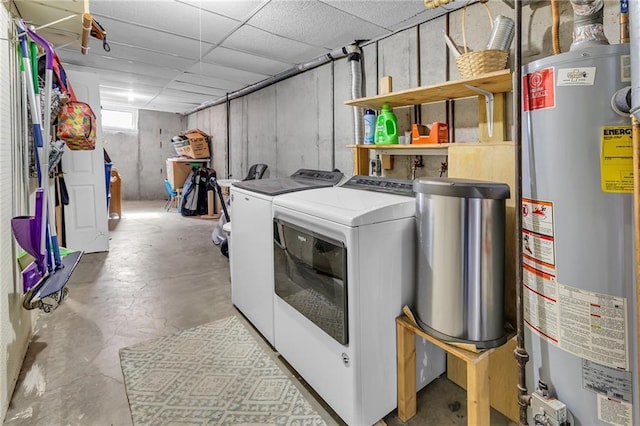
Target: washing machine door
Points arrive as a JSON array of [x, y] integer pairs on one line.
[[311, 276]]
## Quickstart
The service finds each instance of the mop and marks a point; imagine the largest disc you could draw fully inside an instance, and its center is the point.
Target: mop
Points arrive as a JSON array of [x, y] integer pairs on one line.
[[45, 279]]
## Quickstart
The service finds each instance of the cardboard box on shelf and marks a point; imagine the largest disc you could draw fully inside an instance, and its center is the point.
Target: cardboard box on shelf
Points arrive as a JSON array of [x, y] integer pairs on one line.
[[193, 143], [177, 172]]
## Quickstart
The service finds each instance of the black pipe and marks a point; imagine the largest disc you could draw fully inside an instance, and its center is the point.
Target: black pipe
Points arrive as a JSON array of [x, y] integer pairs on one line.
[[228, 102], [449, 104], [520, 353], [417, 109], [333, 115]]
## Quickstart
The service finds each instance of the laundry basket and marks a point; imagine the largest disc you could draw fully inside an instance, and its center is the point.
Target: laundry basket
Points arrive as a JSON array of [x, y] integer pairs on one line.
[[471, 64]]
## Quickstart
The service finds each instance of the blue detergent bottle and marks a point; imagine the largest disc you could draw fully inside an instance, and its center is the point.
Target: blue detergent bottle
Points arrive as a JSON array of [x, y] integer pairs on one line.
[[386, 127]]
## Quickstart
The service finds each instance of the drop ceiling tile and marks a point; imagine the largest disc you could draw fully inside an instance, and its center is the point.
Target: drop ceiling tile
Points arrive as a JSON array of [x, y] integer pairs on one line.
[[189, 97], [253, 40], [245, 61], [315, 23], [106, 63], [136, 55], [210, 82], [225, 73], [194, 88], [167, 16], [44, 12], [138, 92], [169, 104], [118, 77], [381, 13], [159, 41], [237, 9], [426, 15], [168, 107]]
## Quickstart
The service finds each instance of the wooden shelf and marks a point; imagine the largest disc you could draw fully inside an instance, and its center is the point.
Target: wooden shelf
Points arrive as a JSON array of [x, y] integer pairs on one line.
[[488, 88], [409, 149], [494, 82]]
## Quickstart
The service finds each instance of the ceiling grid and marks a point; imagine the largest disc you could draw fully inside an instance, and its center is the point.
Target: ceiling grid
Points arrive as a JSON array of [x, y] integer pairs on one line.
[[175, 55]]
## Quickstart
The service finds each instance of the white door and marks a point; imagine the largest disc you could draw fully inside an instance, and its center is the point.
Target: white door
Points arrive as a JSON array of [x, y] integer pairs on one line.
[[86, 220]]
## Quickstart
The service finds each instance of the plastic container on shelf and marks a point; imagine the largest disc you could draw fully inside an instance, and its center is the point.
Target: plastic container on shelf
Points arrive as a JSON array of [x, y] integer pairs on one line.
[[369, 126], [386, 127]]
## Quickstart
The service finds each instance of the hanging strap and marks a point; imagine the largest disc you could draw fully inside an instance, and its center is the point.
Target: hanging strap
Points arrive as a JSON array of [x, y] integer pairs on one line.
[[98, 31]]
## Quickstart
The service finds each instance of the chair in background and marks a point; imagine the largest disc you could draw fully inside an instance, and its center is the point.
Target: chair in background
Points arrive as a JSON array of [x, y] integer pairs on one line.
[[174, 198], [256, 171]]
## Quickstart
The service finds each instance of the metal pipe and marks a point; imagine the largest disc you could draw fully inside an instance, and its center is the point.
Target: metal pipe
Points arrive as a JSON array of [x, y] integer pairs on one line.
[[587, 24], [520, 353], [333, 115], [634, 33], [636, 217], [555, 26], [356, 92], [624, 21], [228, 142], [320, 60]]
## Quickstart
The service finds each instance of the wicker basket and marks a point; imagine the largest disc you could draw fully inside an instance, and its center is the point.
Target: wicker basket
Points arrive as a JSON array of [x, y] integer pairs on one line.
[[471, 64]]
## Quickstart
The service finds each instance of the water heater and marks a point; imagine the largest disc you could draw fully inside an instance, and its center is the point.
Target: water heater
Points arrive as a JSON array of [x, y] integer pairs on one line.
[[577, 216]]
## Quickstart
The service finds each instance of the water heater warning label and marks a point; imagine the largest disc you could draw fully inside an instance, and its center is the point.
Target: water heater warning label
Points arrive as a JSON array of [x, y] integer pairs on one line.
[[614, 412], [594, 326], [538, 90], [590, 325], [616, 159]]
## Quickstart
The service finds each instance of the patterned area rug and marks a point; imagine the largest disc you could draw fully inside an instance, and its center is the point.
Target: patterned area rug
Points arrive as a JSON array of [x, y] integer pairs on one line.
[[213, 374]]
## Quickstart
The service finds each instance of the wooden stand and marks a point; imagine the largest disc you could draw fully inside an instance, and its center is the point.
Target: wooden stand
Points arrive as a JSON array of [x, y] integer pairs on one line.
[[478, 402]]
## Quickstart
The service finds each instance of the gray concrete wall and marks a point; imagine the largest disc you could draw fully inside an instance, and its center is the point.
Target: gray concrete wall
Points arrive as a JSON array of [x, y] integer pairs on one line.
[[122, 147], [302, 121], [140, 156], [213, 121], [155, 131]]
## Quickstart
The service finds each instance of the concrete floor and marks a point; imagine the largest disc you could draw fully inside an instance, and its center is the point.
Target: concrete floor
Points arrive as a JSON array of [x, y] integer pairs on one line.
[[161, 275]]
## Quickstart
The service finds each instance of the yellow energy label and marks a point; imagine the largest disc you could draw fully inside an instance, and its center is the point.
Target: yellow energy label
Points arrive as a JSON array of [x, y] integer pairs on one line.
[[616, 159]]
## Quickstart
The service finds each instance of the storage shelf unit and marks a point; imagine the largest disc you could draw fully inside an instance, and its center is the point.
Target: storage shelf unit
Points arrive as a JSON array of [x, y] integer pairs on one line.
[[490, 121], [492, 158], [494, 82]]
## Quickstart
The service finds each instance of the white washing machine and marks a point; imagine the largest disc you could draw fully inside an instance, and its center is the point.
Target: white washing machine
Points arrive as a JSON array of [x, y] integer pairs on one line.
[[344, 263], [251, 248]]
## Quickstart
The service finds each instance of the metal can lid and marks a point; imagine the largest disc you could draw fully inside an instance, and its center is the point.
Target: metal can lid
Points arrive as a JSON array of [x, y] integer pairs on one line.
[[462, 188]]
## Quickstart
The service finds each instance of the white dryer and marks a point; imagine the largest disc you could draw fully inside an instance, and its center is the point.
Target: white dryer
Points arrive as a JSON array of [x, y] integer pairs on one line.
[[344, 267], [251, 248]]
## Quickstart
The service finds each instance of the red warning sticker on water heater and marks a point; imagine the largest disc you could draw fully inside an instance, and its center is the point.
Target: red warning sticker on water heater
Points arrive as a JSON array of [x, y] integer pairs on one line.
[[538, 90]]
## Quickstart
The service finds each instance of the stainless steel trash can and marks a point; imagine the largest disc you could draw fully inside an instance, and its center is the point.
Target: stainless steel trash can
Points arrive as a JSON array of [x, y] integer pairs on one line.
[[461, 232]]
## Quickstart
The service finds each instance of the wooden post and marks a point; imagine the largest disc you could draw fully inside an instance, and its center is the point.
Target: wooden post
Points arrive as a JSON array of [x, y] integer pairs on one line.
[[477, 373], [478, 405], [360, 160], [407, 399], [210, 201]]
